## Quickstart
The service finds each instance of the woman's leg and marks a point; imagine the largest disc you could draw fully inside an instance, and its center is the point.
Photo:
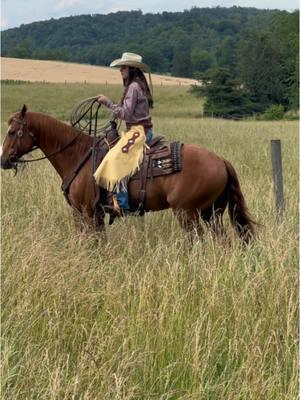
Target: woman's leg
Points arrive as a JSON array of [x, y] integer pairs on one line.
[[123, 201]]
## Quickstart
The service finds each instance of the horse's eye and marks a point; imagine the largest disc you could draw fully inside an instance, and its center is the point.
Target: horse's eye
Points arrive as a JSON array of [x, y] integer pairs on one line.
[[11, 132]]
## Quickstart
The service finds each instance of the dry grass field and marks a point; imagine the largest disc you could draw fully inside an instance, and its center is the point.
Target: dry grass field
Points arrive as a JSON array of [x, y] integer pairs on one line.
[[147, 316], [55, 71]]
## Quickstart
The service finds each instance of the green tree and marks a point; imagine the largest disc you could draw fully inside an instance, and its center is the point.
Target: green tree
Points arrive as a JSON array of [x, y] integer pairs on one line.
[[261, 68], [285, 29], [23, 50], [47, 54], [224, 97], [269, 61], [226, 54], [155, 59], [201, 60], [182, 55]]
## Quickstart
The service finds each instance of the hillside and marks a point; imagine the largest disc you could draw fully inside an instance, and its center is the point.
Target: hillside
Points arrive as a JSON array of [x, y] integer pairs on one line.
[[60, 72], [179, 43]]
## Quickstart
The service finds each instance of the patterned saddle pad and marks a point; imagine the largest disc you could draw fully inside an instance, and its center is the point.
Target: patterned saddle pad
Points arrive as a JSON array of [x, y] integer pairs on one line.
[[161, 158]]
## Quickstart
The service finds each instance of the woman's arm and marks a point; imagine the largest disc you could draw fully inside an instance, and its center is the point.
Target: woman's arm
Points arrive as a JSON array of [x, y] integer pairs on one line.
[[126, 110]]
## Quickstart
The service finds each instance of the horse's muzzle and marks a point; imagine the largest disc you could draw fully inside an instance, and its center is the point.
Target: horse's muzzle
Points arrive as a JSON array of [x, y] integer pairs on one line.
[[7, 163]]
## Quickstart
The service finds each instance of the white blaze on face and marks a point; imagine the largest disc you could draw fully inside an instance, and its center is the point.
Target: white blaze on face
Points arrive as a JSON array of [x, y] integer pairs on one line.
[[1, 146]]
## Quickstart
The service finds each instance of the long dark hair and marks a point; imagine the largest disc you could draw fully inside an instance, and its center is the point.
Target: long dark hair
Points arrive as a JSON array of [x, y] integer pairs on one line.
[[137, 75]]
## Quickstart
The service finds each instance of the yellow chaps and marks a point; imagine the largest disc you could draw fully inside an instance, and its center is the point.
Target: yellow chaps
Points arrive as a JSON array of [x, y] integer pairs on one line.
[[123, 160]]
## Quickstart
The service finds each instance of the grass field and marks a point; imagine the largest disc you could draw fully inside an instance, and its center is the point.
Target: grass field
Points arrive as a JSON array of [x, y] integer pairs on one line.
[[147, 316]]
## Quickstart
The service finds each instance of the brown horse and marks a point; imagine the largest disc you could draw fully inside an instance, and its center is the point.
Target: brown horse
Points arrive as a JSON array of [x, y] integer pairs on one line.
[[202, 190]]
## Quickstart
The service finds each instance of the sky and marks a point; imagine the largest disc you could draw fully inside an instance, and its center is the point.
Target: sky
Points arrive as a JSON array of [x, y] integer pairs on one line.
[[17, 12]]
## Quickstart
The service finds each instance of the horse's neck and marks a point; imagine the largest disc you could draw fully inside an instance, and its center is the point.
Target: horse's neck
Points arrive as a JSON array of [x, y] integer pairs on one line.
[[52, 136]]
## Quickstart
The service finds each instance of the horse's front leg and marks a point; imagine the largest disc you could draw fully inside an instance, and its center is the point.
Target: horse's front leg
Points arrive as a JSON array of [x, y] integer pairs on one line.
[[89, 221], [99, 221], [80, 220]]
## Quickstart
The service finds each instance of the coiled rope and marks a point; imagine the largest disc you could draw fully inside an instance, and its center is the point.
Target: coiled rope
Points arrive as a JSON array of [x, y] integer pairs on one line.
[[84, 117]]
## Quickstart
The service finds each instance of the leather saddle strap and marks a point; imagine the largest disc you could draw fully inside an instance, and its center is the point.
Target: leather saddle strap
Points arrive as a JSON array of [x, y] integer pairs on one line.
[[143, 180], [67, 182]]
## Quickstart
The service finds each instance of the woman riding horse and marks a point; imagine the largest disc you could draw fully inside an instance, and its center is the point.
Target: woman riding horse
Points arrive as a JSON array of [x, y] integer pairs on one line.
[[134, 109]]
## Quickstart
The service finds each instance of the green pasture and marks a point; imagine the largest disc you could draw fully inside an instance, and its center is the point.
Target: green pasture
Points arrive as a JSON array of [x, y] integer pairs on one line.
[[146, 315]]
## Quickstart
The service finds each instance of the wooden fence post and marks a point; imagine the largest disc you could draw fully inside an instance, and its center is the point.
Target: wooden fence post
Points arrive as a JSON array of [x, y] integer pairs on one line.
[[277, 177]]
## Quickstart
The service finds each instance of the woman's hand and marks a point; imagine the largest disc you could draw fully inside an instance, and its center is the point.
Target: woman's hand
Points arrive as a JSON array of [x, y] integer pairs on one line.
[[103, 99]]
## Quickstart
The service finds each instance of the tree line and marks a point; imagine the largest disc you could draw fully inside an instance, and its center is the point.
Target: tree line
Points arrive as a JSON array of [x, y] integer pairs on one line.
[[263, 75], [250, 53]]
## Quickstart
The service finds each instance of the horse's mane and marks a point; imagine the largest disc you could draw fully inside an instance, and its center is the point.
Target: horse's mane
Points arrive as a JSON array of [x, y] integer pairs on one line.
[[59, 129]]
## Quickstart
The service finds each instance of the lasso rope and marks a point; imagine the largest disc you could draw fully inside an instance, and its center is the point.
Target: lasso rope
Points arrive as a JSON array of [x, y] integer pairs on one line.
[[84, 117]]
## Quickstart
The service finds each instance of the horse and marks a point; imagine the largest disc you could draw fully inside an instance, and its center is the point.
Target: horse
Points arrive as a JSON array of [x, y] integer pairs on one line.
[[200, 192]]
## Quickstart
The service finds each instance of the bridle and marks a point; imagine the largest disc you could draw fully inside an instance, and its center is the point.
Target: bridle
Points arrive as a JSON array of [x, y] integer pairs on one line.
[[20, 134], [13, 158]]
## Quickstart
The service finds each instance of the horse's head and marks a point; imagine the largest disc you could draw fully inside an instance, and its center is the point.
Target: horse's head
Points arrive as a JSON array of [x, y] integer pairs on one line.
[[18, 140]]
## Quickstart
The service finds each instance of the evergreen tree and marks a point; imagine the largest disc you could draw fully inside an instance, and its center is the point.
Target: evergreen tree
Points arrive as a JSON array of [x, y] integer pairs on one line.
[[269, 62], [182, 55], [226, 55], [262, 68], [224, 97], [285, 29], [201, 60]]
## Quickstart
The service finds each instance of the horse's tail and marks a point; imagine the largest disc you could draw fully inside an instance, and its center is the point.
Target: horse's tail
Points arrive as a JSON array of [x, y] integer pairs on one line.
[[238, 212]]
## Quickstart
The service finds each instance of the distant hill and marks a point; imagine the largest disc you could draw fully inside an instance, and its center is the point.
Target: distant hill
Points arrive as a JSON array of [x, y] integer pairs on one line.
[[177, 43]]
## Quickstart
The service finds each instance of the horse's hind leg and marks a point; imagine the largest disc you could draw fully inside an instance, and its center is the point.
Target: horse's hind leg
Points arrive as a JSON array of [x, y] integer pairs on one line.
[[214, 221], [213, 217], [189, 221]]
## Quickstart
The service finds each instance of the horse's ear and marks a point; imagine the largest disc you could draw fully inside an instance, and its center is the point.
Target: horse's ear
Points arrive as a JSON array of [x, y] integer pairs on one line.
[[23, 112]]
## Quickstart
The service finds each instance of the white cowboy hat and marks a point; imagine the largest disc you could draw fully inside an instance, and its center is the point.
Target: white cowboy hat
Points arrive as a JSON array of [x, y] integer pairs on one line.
[[132, 60]]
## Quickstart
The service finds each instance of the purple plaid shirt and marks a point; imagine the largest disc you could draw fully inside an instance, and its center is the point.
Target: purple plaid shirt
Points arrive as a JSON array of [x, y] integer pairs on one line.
[[135, 107]]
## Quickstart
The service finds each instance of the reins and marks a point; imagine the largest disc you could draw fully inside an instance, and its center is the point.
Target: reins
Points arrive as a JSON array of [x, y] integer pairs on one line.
[[50, 155]]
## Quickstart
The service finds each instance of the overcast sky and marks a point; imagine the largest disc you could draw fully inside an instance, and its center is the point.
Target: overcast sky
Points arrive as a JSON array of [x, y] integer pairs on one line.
[[17, 12]]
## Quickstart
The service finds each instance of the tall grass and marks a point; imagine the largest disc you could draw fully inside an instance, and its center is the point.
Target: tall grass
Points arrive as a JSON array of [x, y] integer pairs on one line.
[[146, 315]]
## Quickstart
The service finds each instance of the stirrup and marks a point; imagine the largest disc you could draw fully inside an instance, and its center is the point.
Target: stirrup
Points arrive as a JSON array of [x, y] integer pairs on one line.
[[116, 204], [113, 213], [113, 210], [113, 206]]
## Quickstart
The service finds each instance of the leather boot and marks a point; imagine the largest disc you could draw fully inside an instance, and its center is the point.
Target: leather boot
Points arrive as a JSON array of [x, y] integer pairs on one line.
[[112, 208]]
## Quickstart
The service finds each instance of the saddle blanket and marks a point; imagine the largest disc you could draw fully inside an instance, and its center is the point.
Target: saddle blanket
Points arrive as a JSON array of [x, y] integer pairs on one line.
[[164, 158]]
